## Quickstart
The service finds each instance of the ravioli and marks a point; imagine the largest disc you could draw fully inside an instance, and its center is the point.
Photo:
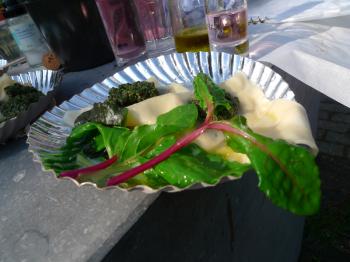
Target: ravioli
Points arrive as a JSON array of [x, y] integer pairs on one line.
[[277, 119]]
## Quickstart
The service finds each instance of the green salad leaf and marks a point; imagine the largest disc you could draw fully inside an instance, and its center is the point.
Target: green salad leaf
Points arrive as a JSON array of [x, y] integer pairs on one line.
[[120, 141], [79, 151], [192, 165], [176, 121], [208, 93], [188, 166], [287, 173]]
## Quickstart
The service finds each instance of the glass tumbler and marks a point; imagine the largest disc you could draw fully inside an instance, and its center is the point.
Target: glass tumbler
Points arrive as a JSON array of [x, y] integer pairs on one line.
[[8, 47], [227, 25], [74, 31], [122, 29], [189, 25], [29, 39], [155, 23]]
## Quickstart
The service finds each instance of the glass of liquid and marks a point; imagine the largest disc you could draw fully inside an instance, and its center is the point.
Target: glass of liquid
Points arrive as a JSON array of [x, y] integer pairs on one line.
[[8, 47], [155, 24], [189, 25], [227, 25], [74, 31], [122, 29]]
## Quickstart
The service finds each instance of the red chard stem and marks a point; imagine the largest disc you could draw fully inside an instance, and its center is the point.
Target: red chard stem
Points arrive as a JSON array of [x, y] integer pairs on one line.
[[184, 141], [75, 173]]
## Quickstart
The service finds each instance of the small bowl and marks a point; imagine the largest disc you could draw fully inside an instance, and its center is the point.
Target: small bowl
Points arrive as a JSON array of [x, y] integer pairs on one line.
[[43, 80]]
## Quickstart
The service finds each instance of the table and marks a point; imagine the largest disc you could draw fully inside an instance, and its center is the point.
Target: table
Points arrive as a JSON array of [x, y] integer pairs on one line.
[[43, 219], [307, 38]]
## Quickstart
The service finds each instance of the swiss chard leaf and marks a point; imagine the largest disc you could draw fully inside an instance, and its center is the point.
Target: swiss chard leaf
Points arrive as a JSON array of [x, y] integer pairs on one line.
[[287, 173], [188, 166], [207, 92], [176, 121], [66, 158], [193, 165], [120, 141], [139, 139], [150, 177], [180, 119], [111, 138]]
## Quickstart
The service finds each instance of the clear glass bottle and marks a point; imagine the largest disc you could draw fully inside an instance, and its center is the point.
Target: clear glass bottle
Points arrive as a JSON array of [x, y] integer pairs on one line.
[[26, 34]]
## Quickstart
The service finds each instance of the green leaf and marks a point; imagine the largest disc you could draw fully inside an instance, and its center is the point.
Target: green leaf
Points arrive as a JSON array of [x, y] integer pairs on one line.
[[111, 138], [120, 141], [66, 157], [207, 92], [178, 120], [139, 139], [287, 173], [193, 165], [150, 178], [184, 168]]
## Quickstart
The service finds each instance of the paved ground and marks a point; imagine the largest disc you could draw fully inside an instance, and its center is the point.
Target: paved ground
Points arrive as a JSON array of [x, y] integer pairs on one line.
[[327, 234]]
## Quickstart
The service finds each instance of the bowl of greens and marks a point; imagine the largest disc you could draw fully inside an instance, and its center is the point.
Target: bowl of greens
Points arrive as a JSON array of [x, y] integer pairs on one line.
[[23, 97], [184, 121]]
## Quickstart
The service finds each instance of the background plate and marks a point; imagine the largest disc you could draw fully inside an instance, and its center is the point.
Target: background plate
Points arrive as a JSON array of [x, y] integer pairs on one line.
[[49, 132], [44, 81]]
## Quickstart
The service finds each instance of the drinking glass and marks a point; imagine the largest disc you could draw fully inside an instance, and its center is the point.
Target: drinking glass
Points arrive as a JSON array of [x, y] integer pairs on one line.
[[227, 25], [8, 47], [155, 23], [122, 29], [189, 26], [74, 31]]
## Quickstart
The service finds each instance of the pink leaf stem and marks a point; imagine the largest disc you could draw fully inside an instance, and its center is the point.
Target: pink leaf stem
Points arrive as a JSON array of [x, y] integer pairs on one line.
[[184, 141], [75, 173]]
